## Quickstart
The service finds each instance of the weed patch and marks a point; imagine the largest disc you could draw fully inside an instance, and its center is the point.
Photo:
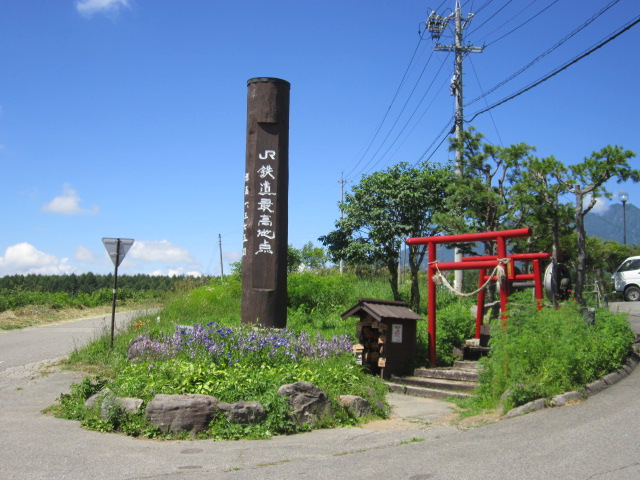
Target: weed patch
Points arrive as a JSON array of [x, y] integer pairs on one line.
[[540, 354], [197, 345]]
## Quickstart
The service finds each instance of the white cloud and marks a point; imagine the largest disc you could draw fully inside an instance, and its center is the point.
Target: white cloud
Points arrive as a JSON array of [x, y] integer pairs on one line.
[[68, 204], [601, 206], [83, 254], [24, 258], [88, 8], [232, 256], [159, 251], [164, 258], [175, 272]]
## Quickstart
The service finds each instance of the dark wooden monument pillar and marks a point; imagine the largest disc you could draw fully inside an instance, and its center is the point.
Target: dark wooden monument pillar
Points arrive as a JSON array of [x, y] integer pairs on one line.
[[266, 204]]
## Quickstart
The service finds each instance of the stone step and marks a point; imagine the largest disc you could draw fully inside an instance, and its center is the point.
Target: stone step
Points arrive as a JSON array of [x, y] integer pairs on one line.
[[424, 392], [437, 383], [467, 365], [459, 381], [466, 375]]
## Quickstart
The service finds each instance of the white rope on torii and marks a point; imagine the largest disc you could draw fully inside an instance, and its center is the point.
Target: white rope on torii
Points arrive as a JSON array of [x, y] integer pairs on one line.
[[499, 273]]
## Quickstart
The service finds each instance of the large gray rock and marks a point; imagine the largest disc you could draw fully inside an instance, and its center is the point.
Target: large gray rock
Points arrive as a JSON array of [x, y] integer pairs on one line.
[[538, 404], [126, 404], [244, 413], [566, 398], [358, 406], [95, 399], [307, 402], [182, 413]]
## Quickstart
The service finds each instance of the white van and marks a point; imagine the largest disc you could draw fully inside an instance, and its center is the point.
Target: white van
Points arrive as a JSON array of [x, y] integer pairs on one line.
[[626, 279]]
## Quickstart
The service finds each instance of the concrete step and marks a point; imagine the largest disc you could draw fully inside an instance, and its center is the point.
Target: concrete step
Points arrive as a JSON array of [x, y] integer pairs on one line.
[[467, 365], [424, 392], [459, 381], [465, 375], [437, 383]]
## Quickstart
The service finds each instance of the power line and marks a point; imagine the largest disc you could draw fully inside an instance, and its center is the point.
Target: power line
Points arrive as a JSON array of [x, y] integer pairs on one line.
[[512, 17], [560, 69], [406, 123], [389, 107], [544, 54], [372, 162], [415, 125], [488, 2], [446, 128], [490, 18], [490, 114], [397, 117], [523, 23]]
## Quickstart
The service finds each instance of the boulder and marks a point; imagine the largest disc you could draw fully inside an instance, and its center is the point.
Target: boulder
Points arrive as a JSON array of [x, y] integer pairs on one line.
[[244, 413], [565, 398], [126, 404], [358, 406], [538, 404], [182, 413], [95, 399], [307, 403]]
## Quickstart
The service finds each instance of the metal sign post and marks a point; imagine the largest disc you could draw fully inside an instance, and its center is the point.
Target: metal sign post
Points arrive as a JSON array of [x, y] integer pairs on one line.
[[117, 249]]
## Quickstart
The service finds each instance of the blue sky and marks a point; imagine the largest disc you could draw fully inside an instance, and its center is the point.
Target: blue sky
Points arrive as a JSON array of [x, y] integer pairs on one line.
[[127, 118]]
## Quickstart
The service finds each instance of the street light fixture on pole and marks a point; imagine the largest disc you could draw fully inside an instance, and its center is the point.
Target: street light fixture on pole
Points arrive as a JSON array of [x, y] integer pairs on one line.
[[624, 197]]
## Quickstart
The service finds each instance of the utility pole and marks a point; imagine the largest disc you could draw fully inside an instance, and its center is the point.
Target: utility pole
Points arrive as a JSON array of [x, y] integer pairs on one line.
[[220, 248], [436, 24], [342, 181]]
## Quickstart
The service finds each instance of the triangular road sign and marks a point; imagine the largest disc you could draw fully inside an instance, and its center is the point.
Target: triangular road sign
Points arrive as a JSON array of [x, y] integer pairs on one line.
[[117, 248]]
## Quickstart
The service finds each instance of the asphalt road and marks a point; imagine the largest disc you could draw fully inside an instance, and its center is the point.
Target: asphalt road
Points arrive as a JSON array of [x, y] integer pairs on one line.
[[594, 439], [48, 343]]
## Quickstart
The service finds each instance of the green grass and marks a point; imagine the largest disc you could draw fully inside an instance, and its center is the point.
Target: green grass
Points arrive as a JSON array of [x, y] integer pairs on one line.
[[544, 353], [315, 307], [539, 354], [413, 440]]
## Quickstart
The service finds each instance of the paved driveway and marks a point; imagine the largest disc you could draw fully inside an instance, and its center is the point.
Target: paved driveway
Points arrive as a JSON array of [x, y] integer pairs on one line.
[[595, 439]]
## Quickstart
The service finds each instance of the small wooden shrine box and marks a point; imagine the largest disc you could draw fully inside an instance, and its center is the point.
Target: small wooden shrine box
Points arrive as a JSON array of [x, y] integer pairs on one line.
[[386, 335]]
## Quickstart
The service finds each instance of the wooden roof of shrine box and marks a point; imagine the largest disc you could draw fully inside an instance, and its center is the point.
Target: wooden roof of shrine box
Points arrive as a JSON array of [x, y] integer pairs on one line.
[[386, 333], [381, 310]]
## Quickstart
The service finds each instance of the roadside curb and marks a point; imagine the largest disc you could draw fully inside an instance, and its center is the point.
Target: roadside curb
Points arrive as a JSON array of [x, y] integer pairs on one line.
[[590, 389]]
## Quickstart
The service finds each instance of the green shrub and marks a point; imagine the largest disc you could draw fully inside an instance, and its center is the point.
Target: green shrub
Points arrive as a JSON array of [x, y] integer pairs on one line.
[[72, 404], [544, 353], [248, 378], [310, 291], [335, 375], [454, 326]]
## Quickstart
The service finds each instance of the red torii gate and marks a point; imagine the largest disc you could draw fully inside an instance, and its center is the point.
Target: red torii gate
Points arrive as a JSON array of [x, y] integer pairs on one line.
[[469, 264], [536, 276]]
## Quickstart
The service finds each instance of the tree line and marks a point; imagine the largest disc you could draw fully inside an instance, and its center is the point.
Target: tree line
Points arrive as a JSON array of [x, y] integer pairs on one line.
[[489, 188], [86, 283]]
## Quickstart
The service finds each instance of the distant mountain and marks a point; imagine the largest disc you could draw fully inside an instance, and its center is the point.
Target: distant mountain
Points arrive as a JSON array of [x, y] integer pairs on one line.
[[609, 224]]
